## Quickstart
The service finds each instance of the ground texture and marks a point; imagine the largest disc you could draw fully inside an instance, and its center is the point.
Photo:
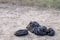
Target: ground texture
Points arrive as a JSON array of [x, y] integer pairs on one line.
[[14, 17]]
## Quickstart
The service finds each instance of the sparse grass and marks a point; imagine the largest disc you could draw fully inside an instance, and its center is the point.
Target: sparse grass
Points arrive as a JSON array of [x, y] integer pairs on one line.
[[42, 3]]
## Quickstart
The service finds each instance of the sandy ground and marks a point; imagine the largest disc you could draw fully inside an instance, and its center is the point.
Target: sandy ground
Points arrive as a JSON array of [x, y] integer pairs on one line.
[[14, 17]]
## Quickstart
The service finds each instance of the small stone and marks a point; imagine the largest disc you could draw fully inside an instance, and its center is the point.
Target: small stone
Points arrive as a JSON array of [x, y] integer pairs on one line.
[[51, 32], [21, 32]]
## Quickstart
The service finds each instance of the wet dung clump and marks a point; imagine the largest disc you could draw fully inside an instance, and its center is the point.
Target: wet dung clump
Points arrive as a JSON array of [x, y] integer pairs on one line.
[[50, 32], [40, 31], [32, 25], [22, 32]]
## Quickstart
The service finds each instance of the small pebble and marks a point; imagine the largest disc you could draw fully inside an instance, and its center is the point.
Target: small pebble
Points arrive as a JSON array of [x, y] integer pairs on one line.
[[21, 32]]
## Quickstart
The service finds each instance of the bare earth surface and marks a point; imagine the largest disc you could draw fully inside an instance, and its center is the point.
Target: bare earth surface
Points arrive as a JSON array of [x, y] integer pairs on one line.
[[14, 17]]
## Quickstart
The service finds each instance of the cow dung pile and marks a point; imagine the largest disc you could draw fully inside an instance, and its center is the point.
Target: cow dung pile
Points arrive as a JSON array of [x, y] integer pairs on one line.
[[36, 29]]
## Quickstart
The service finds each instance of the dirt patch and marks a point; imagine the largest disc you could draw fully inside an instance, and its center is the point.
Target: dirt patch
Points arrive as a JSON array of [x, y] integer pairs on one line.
[[14, 17]]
